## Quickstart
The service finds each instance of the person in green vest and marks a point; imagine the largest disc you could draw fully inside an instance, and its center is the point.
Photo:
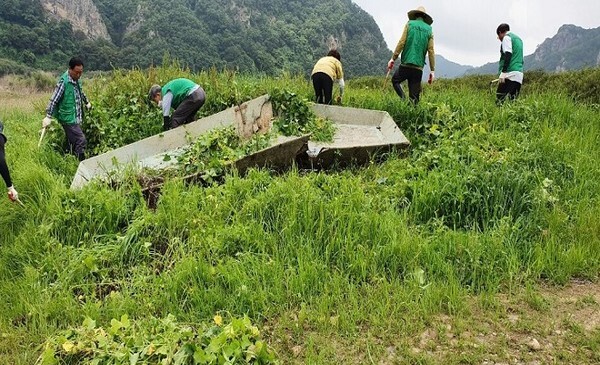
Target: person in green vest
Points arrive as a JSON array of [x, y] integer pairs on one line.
[[415, 43], [510, 68], [12, 192], [66, 105], [183, 95]]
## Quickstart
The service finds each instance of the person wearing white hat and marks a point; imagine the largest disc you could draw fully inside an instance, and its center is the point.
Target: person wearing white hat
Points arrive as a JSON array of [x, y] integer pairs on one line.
[[511, 64], [415, 43], [12, 193]]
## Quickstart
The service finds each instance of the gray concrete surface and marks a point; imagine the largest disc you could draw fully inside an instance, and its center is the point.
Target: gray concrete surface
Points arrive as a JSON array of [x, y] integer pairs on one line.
[[360, 134]]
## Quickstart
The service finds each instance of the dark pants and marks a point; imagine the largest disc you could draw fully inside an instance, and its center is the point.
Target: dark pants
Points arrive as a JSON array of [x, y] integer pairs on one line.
[[323, 85], [413, 75], [186, 111], [507, 88], [76, 140], [3, 167]]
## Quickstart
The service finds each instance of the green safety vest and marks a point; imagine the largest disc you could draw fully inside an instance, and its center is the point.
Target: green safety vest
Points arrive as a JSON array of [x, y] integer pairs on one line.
[[180, 88], [417, 41], [516, 61], [66, 111]]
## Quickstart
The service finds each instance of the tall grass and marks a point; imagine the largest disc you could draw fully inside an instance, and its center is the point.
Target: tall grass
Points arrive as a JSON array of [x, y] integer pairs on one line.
[[488, 200]]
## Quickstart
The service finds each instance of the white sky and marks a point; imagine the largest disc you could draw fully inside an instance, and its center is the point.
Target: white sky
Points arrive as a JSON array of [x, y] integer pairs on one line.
[[465, 30]]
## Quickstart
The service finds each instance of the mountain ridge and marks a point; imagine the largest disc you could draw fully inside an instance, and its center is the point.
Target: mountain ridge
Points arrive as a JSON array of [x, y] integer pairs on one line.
[[571, 48]]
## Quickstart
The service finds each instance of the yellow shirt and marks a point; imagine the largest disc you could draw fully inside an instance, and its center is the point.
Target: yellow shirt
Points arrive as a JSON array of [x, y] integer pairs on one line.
[[331, 66]]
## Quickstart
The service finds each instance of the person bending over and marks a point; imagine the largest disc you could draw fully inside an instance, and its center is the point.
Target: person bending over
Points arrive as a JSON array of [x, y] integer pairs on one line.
[[183, 95], [326, 70]]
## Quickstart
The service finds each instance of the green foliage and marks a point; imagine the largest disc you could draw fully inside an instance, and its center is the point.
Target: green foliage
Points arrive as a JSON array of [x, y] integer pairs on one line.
[[487, 200], [8, 67], [285, 36], [295, 117], [29, 37], [158, 341], [212, 152]]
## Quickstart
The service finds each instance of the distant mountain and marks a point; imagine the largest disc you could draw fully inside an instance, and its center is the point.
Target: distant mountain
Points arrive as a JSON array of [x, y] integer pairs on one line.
[[571, 48], [445, 68]]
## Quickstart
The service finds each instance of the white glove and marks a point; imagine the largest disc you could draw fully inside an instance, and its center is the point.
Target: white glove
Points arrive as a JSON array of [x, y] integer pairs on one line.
[[502, 77], [46, 122], [390, 64], [431, 77], [12, 194], [88, 106]]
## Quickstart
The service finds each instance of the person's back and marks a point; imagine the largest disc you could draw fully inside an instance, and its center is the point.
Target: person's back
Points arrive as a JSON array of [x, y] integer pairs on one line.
[[326, 70], [417, 43], [329, 65], [412, 48], [510, 66]]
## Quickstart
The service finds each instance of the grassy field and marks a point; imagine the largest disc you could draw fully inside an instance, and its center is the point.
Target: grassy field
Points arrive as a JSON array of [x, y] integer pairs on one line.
[[481, 245]]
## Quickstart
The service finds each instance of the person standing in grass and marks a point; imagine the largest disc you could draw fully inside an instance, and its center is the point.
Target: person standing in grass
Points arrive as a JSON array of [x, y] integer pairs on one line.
[[12, 192], [326, 70], [415, 43], [66, 105], [183, 95], [510, 68]]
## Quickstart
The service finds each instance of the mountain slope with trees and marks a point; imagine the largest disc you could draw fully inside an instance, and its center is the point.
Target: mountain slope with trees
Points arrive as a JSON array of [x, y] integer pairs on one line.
[[267, 36]]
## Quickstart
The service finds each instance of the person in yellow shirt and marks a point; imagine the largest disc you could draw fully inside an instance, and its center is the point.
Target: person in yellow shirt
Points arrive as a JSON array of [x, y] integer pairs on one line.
[[326, 70]]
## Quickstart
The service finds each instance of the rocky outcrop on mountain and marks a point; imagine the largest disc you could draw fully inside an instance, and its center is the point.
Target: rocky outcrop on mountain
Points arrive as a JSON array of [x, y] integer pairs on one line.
[[571, 48], [82, 14]]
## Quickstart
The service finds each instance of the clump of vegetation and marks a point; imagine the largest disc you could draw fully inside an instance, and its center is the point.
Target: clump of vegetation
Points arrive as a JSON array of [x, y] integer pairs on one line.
[[213, 151], [295, 117], [158, 341]]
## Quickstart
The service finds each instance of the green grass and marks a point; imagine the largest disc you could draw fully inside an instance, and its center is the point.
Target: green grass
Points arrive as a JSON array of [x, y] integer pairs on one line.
[[346, 266]]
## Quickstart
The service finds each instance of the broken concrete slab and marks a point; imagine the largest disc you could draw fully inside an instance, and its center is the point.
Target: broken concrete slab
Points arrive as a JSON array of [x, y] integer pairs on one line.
[[361, 133], [256, 115]]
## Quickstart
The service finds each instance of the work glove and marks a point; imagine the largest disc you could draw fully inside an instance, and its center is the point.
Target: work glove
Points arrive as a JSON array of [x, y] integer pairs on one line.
[[431, 77], [502, 77], [46, 122], [12, 194], [390, 64], [88, 106], [166, 123], [338, 100]]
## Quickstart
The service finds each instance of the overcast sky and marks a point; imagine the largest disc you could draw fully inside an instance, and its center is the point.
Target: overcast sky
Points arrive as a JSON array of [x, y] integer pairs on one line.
[[465, 30]]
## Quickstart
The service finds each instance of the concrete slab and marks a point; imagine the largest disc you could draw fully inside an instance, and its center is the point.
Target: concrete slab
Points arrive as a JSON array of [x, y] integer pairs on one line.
[[360, 135], [256, 116]]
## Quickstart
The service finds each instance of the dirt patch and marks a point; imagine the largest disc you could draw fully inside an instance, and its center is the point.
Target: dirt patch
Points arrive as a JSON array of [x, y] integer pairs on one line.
[[542, 326]]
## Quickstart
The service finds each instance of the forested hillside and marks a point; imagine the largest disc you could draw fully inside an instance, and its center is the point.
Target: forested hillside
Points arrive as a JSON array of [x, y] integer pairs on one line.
[[267, 36]]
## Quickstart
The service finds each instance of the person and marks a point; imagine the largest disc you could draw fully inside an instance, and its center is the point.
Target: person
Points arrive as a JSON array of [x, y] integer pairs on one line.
[[416, 41], [183, 95], [12, 192], [510, 68], [66, 105], [326, 70]]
